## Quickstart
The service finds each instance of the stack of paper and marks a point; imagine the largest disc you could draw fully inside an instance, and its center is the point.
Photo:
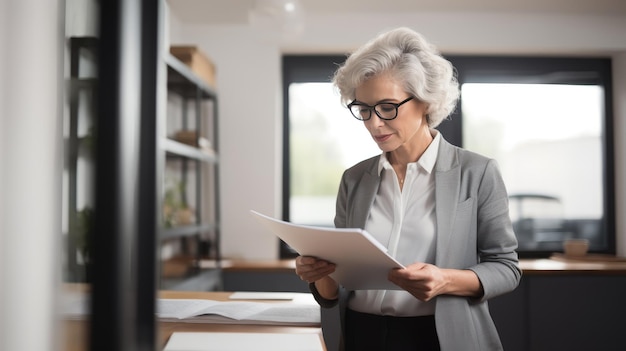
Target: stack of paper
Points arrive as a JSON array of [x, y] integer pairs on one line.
[[299, 311], [209, 341], [362, 262]]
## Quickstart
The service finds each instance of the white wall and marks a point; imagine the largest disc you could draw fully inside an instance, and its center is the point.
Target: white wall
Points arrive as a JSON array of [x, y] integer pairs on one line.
[[249, 86]]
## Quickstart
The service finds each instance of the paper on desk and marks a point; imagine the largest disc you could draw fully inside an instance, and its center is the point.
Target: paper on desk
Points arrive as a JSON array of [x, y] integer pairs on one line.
[[75, 305], [362, 262], [300, 310], [198, 310], [261, 295], [216, 341]]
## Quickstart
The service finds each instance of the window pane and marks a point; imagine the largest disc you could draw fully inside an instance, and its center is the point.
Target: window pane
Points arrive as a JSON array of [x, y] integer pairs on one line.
[[324, 140], [573, 135], [547, 139]]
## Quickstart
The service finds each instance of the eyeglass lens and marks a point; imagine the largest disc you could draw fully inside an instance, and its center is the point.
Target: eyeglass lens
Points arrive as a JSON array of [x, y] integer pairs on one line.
[[383, 110]]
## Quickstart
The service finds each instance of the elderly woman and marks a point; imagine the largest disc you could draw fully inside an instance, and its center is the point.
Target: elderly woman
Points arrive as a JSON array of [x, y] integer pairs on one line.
[[440, 210]]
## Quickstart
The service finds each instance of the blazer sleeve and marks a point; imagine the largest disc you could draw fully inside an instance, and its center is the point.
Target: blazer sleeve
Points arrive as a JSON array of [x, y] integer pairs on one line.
[[498, 269]]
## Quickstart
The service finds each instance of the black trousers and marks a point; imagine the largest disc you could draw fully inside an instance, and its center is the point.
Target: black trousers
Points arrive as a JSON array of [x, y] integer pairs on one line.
[[369, 332]]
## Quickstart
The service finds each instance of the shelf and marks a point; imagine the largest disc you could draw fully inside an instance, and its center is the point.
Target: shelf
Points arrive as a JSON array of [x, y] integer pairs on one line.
[[175, 148], [188, 230], [184, 82], [85, 42], [82, 83], [198, 114]]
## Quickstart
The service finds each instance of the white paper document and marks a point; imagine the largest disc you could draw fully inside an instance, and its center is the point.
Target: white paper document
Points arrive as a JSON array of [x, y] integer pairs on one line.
[[75, 305], [362, 262], [216, 341], [306, 313], [270, 296]]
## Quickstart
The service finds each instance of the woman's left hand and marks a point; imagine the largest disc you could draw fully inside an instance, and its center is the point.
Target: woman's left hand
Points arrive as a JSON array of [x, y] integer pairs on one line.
[[422, 280]]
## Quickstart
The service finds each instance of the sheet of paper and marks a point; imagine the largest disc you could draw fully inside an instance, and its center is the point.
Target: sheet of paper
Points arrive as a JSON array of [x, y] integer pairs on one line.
[[192, 310], [362, 262], [75, 305], [260, 295], [185, 308], [214, 341]]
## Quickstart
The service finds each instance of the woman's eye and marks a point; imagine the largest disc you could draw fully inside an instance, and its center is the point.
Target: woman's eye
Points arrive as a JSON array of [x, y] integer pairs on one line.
[[386, 108]]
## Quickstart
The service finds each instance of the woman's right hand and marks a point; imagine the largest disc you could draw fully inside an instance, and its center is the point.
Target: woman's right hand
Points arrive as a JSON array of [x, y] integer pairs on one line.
[[314, 270]]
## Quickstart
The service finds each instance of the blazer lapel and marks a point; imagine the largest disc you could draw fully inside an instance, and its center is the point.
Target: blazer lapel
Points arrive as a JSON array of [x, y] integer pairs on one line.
[[364, 198], [447, 183]]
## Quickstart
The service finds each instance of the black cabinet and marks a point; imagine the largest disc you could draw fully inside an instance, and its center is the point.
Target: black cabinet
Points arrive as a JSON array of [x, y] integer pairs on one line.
[[574, 312]]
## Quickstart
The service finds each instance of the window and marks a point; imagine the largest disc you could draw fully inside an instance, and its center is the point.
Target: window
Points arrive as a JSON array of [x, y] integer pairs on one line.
[[547, 122]]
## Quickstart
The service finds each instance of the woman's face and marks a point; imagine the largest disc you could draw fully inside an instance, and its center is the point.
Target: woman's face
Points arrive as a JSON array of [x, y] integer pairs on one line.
[[402, 131]]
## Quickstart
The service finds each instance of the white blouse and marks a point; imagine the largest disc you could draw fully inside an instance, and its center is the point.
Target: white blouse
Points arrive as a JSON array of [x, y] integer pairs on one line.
[[405, 222]]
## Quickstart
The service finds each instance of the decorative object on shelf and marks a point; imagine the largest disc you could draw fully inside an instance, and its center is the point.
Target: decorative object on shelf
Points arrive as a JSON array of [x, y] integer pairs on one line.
[[176, 211], [191, 138], [198, 62], [88, 140], [178, 266], [84, 232]]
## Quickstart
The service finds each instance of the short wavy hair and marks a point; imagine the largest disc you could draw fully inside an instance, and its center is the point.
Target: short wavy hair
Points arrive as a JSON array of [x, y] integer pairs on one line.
[[413, 61]]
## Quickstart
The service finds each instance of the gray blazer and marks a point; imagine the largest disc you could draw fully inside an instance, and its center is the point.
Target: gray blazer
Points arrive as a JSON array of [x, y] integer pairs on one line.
[[474, 232]]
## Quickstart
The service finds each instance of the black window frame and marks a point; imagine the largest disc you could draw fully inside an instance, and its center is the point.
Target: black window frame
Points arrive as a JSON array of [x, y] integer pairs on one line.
[[299, 69], [479, 69]]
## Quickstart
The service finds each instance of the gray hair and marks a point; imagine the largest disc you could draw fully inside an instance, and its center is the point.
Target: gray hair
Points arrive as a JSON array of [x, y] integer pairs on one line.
[[410, 59]]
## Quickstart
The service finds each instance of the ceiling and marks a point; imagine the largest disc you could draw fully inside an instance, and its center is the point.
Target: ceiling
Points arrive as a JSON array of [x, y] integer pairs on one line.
[[236, 11]]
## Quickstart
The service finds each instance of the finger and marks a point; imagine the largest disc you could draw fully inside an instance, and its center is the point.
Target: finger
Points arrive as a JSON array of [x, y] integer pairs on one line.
[[305, 263], [302, 261], [395, 277], [400, 274], [317, 274], [318, 269], [313, 263]]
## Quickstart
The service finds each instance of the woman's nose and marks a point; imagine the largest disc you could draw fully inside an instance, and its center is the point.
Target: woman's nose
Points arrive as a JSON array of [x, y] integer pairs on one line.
[[374, 120]]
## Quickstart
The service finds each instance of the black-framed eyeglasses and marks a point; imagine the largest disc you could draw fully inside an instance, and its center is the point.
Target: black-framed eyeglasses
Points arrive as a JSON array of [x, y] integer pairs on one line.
[[384, 110]]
